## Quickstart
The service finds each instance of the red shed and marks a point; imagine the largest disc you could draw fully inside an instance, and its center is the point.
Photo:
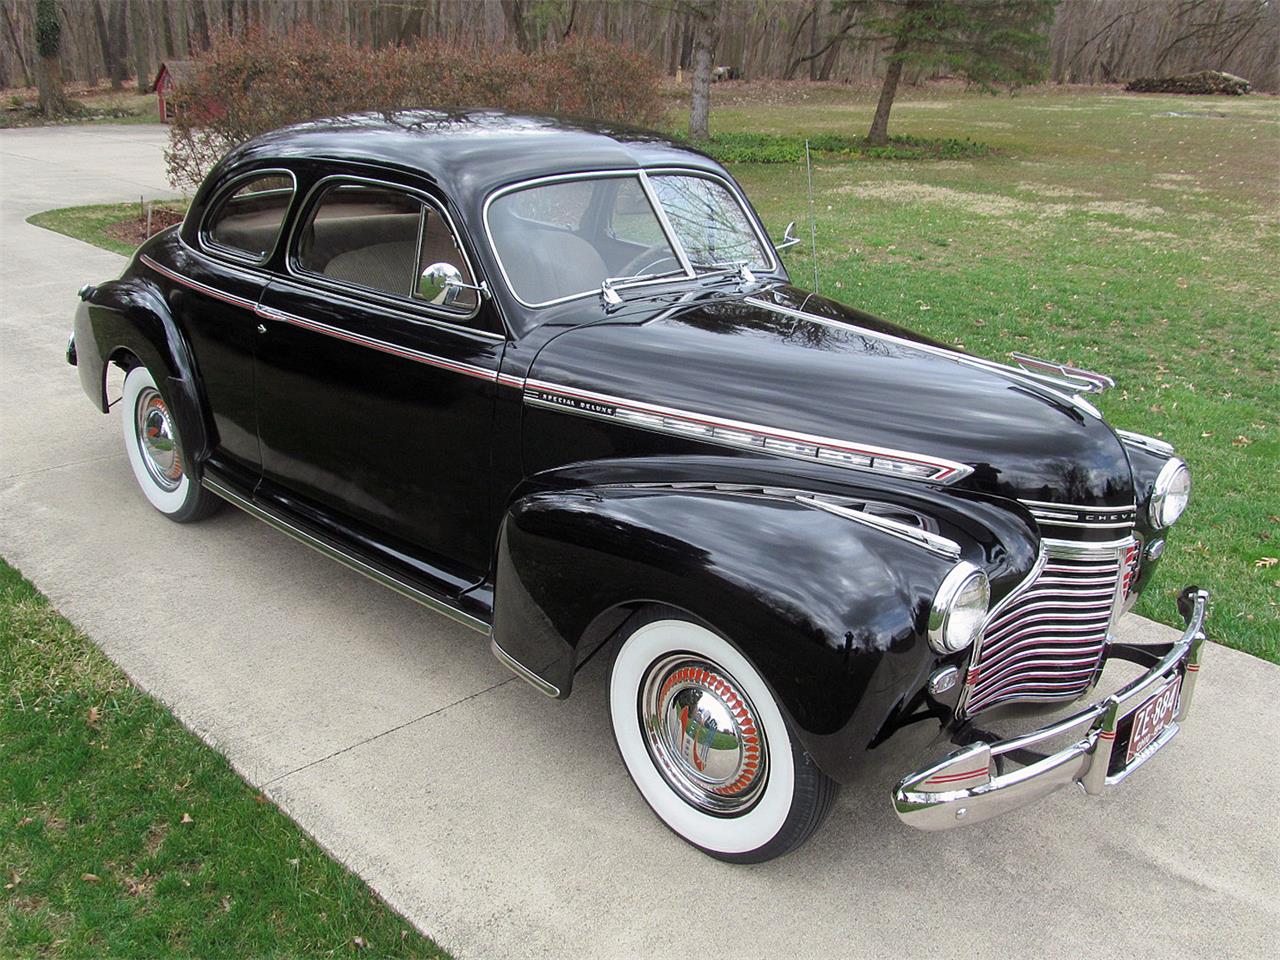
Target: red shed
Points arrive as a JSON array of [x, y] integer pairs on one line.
[[172, 74]]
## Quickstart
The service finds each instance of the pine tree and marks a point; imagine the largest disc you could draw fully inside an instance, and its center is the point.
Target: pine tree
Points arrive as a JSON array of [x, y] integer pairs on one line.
[[990, 43]]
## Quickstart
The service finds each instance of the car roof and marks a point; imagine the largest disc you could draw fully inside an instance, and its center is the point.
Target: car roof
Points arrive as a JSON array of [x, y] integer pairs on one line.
[[469, 153]]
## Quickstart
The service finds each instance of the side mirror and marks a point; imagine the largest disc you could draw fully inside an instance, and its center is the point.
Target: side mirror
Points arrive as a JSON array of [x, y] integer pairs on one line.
[[440, 283], [789, 239]]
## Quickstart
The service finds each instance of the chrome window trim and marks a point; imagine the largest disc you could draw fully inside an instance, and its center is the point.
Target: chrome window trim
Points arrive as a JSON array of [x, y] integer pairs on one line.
[[765, 243], [665, 222], [448, 319], [212, 248], [632, 173], [641, 174], [982, 363]]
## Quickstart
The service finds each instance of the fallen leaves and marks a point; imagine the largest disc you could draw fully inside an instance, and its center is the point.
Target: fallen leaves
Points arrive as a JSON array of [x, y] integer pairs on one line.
[[187, 818], [90, 878], [139, 887], [1241, 441], [358, 943], [93, 718], [1263, 563]]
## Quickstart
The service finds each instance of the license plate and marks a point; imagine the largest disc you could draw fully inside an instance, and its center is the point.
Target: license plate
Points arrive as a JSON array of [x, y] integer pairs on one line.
[[1151, 719]]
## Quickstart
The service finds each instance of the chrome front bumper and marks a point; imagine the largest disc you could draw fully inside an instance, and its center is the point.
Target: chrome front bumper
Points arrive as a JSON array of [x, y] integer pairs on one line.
[[962, 790]]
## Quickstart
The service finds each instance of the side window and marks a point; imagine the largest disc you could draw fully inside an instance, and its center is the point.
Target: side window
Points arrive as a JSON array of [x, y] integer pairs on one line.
[[631, 217], [380, 238], [248, 221], [439, 245], [560, 205]]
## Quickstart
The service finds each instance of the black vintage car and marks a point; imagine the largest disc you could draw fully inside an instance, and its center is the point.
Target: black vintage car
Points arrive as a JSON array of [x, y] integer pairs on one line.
[[552, 380]]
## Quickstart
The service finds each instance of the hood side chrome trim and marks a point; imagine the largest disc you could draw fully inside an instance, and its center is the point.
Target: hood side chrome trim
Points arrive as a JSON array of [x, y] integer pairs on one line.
[[940, 546], [739, 434]]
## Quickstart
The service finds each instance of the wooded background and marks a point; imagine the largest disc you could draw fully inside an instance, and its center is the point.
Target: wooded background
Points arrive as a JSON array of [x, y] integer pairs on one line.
[[1091, 41]]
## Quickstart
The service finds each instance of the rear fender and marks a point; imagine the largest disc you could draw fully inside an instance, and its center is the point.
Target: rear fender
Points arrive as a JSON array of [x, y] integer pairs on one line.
[[129, 318]]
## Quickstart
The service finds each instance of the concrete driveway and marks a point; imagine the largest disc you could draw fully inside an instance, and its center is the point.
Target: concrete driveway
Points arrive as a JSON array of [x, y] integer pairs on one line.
[[500, 822]]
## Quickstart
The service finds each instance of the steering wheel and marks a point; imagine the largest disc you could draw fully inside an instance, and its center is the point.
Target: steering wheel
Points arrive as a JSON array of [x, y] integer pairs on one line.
[[654, 259]]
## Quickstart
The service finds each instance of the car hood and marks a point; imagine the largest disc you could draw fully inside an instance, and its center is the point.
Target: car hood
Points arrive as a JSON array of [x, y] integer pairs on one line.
[[793, 362]]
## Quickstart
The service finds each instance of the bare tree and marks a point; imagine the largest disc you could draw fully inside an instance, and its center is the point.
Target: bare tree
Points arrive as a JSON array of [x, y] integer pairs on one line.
[[19, 48], [140, 40], [706, 35], [1090, 41]]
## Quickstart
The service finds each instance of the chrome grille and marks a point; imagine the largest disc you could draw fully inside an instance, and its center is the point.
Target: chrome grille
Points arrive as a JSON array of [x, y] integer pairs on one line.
[[1045, 641]]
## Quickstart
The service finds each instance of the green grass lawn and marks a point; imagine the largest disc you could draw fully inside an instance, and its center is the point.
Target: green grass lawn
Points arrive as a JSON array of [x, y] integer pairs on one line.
[[1134, 235], [100, 105], [121, 834], [93, 223]]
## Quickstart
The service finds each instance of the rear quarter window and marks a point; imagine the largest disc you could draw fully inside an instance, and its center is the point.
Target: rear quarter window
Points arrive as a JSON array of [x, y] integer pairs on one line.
[[246, 222]]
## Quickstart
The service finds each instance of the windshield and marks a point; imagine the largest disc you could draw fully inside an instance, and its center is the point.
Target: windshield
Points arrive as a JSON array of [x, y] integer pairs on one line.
[[562, 239]]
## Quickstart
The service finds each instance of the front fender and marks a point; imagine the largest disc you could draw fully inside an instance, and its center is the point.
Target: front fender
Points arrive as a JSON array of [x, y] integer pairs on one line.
[[131, 316], [833, 613]]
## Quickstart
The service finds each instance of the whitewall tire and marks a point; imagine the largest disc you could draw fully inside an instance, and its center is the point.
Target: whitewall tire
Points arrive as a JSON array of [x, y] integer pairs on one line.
[[155, 453], [706, 744]]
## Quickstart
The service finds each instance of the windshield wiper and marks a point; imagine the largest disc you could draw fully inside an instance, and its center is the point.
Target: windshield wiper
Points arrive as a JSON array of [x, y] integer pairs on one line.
[[740, 267], [609, 285]]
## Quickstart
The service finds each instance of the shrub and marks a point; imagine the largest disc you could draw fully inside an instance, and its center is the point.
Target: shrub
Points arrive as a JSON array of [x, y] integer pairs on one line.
[[254, 83]]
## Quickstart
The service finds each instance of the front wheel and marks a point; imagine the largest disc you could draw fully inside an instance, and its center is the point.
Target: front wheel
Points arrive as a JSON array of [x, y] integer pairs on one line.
[[707, 746], [154, 449]]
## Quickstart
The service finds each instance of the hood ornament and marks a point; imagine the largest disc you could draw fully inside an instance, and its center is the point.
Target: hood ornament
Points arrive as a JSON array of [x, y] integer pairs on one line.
[[1084, 381]]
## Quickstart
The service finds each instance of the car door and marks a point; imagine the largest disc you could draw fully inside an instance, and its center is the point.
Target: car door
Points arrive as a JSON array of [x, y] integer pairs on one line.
[[222, 276], [375, 407]]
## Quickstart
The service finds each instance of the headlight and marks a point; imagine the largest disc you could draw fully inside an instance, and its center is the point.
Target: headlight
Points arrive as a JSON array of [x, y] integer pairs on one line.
[[1171, 493], [959, 608]]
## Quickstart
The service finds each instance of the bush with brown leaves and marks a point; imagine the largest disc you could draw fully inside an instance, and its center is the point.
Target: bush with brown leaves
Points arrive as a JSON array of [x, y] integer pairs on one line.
[[250, 84]]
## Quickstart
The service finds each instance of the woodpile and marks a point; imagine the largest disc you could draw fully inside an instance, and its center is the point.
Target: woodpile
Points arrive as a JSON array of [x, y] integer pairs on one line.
[[1204, 83]]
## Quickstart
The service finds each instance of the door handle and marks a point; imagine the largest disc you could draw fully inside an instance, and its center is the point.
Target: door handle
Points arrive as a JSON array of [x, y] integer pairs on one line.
[[262, 328]]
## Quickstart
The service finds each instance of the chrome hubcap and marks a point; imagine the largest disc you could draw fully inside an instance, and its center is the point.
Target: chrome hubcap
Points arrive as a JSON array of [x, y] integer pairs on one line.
[[702, 734], [158, 440]]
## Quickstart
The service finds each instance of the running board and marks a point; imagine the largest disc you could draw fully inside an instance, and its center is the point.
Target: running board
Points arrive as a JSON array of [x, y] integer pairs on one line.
[[348, 560]]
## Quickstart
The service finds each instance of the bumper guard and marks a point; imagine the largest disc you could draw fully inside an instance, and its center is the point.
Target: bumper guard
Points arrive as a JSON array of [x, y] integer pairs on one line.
[[962, 790]]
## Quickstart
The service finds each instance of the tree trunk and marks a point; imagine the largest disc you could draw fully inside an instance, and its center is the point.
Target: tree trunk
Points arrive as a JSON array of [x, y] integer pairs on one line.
[[141, 44], [879, 133], [17, 45], [199, 33], [704, 48], [53, 103], [514, 12], [113, 34], [813, 41]]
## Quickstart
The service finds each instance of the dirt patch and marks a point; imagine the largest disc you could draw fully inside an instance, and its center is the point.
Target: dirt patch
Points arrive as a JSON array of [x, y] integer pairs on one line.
[[1049, 190], [994, 205], [134, 230], [155, 836]]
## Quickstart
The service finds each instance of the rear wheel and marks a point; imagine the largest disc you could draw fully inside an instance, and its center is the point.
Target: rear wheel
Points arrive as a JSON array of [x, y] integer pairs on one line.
[[154, 449], [708, 747]]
